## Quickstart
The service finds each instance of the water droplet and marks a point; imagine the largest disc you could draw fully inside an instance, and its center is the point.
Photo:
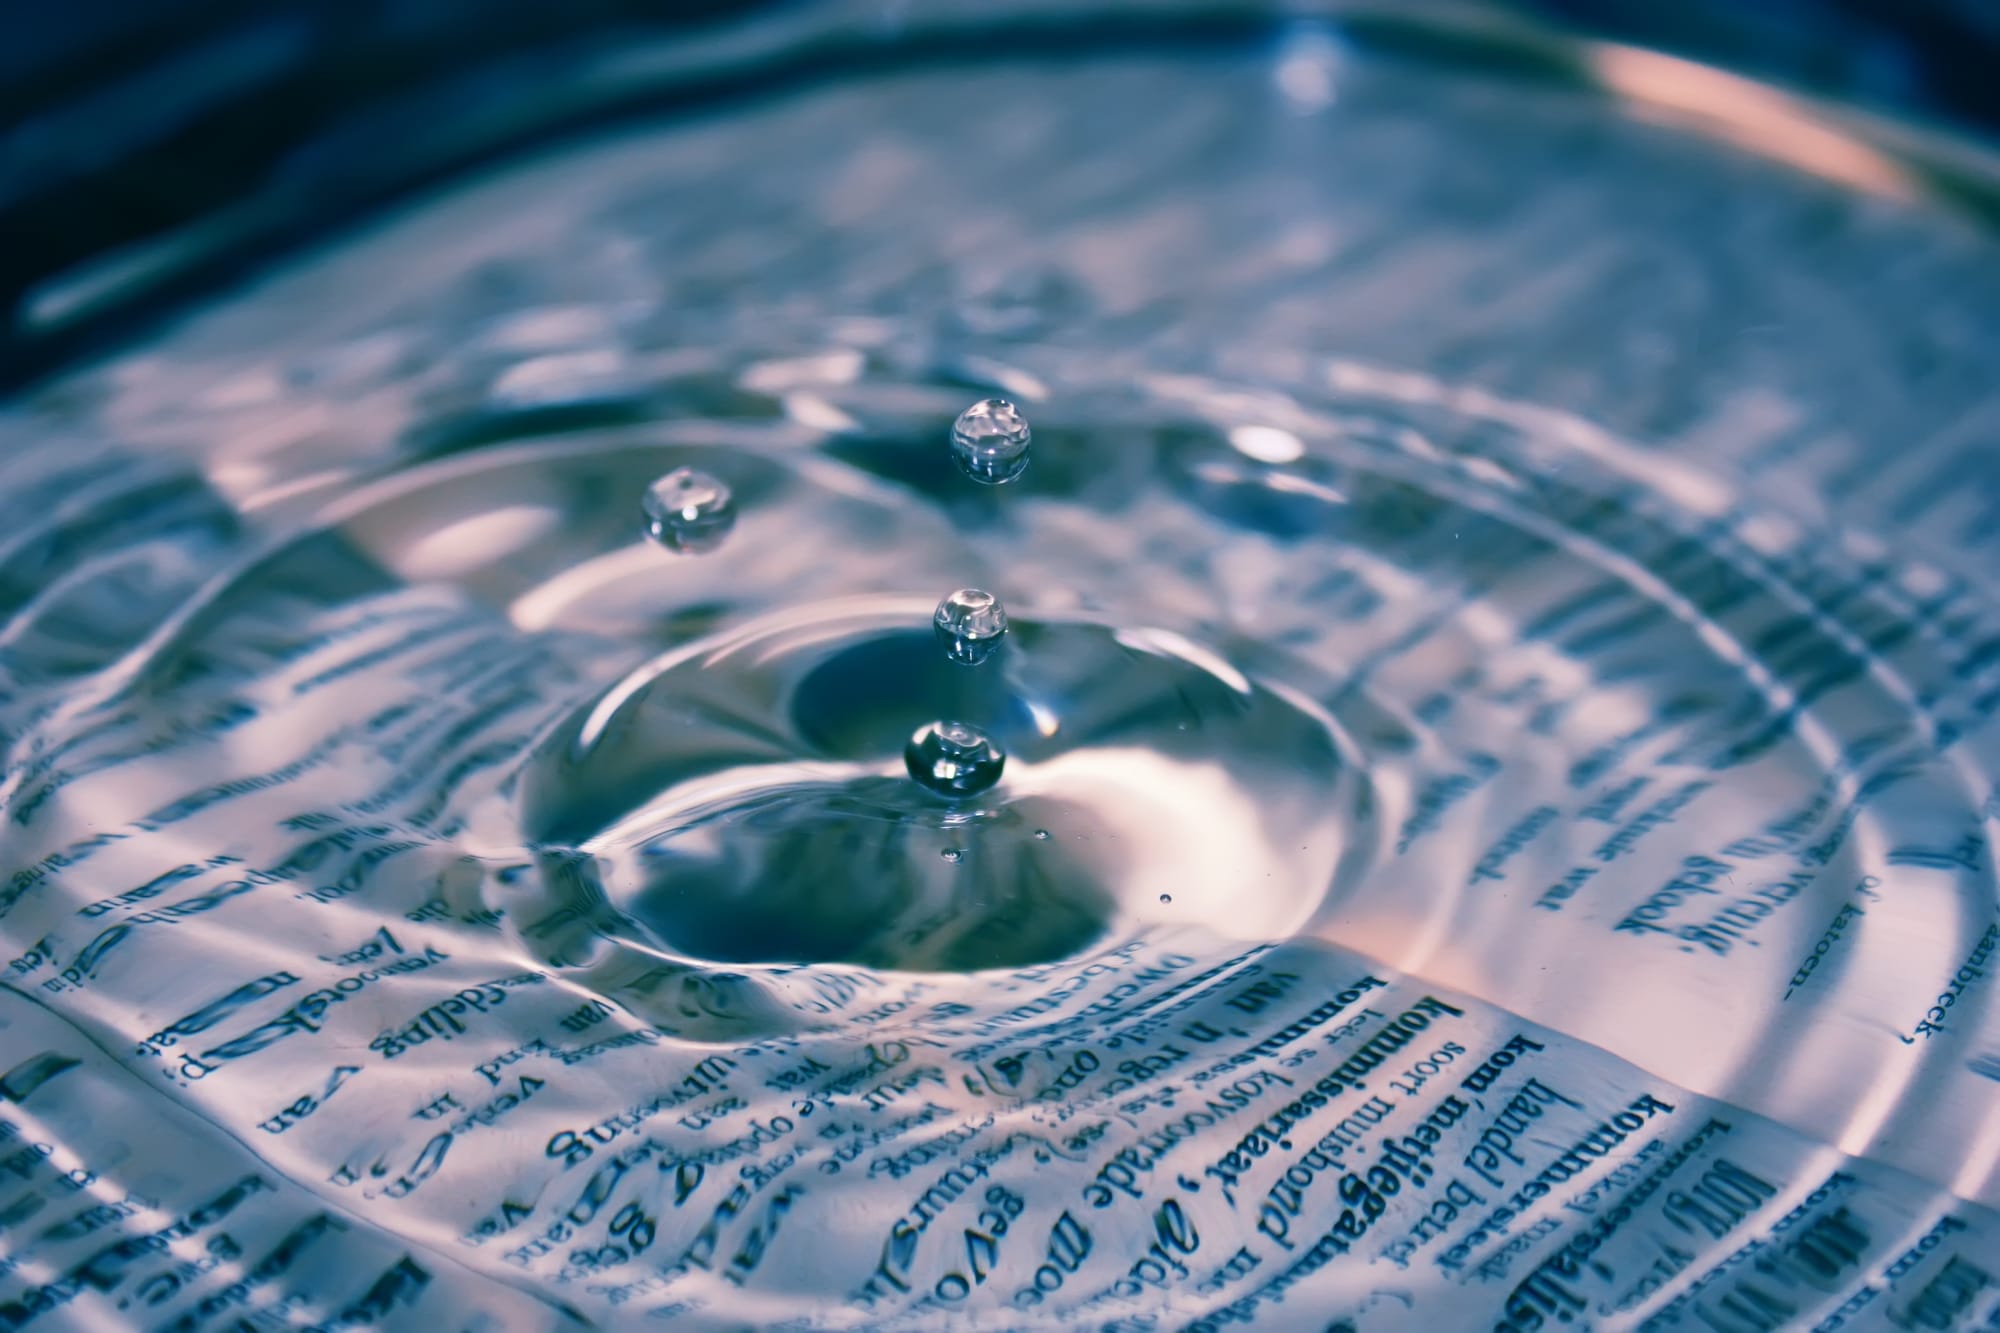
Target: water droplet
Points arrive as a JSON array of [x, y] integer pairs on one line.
[[1041, 835], [688, 511], [954, 759], [970, 624], [952, 854], [1166, 897], [990, 441]]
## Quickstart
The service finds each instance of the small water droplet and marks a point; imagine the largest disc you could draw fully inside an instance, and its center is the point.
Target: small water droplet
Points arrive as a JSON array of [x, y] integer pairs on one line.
[[1166, 897], [954, 759], [990, 441], [952, 854], [970, 624], [1041, 835], [688, 511]]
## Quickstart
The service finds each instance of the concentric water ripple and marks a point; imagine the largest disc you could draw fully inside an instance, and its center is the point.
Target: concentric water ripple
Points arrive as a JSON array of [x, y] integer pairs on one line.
[[1453, 865]]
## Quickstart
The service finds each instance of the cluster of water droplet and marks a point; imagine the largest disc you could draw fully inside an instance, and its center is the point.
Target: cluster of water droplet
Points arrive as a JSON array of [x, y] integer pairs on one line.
[[689, 511], [957, 758], [989, 442]]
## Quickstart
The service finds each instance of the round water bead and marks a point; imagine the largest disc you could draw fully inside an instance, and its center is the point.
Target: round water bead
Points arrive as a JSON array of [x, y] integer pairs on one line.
[[688, 511], [954, 759], [990, 441], [970, 624]]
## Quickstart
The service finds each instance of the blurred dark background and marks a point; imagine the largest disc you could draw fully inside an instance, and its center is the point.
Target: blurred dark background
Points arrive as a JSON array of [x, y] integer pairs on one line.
[[173, 143]]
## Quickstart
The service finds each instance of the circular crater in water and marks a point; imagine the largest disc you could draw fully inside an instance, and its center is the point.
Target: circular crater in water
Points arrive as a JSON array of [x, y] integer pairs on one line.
[[744, 800]]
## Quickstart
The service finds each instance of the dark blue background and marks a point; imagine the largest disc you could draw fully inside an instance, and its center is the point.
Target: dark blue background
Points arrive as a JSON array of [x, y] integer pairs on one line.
[[122, 120]]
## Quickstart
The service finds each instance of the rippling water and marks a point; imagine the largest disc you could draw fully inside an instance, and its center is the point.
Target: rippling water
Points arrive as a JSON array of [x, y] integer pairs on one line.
[[1497, 700]]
